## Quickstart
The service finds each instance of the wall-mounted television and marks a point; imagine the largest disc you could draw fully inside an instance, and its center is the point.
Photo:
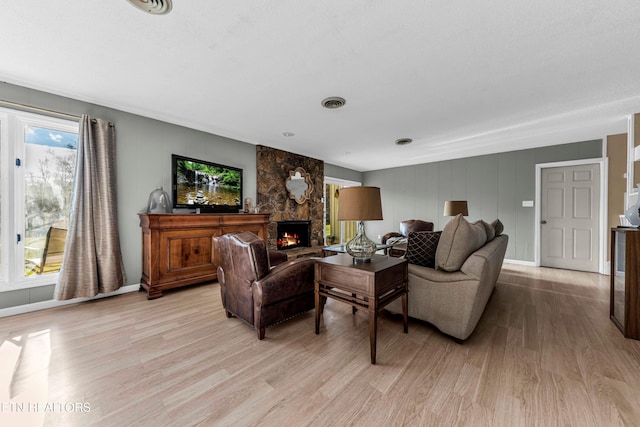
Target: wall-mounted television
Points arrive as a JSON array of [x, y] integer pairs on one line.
[[210, 187]]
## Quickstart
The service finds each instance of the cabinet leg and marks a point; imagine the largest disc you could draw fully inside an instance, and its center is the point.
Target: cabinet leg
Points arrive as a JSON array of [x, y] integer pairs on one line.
[[154, 293]]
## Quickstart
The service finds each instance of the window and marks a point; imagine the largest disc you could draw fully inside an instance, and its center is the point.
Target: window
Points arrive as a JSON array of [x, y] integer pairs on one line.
[[37, 163]]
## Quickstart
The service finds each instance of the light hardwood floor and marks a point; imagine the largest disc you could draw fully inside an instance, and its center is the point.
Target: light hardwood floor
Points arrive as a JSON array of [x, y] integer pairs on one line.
[[544, 353]]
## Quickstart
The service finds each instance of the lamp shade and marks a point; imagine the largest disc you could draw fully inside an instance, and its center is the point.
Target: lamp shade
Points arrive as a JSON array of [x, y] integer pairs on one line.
[[359, 204], [455, 207]]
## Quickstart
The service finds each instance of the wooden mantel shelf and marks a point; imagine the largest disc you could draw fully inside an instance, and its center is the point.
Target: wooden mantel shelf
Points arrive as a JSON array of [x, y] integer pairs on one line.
[[177, 249]]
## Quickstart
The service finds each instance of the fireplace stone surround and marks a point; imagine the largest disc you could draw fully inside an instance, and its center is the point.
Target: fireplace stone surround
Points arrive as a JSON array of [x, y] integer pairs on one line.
[[272, 196]]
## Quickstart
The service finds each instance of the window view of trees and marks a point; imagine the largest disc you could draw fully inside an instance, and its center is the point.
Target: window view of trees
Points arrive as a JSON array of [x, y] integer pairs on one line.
[[49, 164]]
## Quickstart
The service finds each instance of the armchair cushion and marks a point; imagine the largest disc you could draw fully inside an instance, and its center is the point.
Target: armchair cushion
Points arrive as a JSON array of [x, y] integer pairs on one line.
[[421, 248], [277, 257]]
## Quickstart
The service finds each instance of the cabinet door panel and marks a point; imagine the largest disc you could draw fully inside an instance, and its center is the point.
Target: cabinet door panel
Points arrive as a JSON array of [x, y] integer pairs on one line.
[[189, 253]]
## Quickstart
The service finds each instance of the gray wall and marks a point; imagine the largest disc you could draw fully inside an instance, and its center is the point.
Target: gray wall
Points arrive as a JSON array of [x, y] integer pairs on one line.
[[494, 186], [144, 148], [342, 173]]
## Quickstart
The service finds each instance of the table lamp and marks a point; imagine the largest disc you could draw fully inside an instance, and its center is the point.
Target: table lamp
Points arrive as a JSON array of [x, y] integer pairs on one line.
[[455, 207], [360, 204]]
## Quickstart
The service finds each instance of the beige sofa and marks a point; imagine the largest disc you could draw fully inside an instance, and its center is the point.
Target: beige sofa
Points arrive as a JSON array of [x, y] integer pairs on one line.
[[454, 300]]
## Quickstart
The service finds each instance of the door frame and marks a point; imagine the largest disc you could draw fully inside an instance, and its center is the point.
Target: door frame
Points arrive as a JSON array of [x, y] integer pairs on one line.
[[602, 163], [338, 181]]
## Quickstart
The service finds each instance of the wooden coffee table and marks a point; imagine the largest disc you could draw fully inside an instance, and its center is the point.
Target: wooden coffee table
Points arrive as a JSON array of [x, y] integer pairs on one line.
[[368, 286]]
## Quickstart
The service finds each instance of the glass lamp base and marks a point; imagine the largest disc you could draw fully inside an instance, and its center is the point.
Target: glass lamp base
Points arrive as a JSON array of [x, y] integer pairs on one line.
[[360, 247]]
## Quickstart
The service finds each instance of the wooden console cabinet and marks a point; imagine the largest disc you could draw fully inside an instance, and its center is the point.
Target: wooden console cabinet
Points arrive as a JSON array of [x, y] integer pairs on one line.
[[625, 281], [177, 249]]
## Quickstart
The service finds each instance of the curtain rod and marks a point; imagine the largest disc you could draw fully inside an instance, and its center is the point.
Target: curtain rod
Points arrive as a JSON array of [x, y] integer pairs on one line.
[[38, 109], [44, 110]]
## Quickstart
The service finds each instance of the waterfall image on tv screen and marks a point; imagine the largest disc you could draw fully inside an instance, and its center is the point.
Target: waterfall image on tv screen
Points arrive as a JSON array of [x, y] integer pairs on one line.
[[207, 185]]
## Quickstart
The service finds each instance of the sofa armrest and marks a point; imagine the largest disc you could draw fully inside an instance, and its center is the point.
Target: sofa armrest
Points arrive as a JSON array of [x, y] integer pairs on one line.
[[437, 276], [488, 257]]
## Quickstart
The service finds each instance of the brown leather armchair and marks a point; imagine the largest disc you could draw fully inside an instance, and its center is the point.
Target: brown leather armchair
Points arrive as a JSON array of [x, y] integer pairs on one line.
[[254, 291], [399, 240]]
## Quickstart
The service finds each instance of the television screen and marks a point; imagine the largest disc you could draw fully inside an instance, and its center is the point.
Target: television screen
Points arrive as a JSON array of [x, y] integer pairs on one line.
[[205, 185]]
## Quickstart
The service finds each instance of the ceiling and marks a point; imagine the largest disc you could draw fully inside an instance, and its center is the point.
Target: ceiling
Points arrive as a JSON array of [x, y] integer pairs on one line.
[[460, 78]]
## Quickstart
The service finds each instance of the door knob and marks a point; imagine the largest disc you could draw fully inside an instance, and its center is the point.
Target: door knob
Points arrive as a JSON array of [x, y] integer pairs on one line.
[[543, 222]]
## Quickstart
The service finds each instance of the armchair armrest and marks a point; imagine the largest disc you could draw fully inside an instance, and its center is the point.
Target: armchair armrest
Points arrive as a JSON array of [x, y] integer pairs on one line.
[[284, 281], [388, 235]]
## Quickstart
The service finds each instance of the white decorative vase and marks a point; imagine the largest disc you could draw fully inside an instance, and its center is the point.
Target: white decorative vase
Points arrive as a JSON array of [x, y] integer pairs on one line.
[[159, 202]]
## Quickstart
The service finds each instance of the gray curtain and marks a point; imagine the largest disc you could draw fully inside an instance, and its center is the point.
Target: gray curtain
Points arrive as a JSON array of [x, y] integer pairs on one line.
[[92, 261]]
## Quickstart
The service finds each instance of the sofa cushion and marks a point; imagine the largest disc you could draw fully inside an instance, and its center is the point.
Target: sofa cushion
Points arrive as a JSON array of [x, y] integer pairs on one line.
[[459, 239], [421, 247], [490, 230], [497, 225]]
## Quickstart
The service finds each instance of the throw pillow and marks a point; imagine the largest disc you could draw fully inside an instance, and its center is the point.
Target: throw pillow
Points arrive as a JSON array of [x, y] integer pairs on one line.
[[421, 248], [459, 239], [497, 225], [488, 228]]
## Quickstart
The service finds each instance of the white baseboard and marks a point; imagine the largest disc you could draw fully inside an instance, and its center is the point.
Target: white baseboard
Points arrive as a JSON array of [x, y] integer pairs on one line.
[[519, 262], [43, 305]]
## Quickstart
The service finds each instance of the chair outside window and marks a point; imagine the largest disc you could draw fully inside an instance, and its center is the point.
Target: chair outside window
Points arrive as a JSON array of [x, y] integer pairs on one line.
[[51, 253]]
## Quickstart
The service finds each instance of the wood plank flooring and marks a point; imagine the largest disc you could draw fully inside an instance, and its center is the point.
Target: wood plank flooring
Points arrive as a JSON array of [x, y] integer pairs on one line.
[[544, 353]]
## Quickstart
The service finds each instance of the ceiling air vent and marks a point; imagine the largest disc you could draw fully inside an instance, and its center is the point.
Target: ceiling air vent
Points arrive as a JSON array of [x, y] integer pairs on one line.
[[333, 102], [404, 141], [156, 7]]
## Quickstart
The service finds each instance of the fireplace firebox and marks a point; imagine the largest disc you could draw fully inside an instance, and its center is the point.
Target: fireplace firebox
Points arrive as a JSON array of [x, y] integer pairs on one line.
[[294, 234]]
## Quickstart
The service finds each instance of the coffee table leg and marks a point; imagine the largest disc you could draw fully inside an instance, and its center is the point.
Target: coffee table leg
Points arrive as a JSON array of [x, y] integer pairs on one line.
[[373, 332], [318, 308], [405, 312]]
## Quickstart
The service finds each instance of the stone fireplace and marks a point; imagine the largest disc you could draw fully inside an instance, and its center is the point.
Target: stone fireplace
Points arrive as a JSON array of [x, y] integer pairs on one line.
[[293, 234], [274, 167]]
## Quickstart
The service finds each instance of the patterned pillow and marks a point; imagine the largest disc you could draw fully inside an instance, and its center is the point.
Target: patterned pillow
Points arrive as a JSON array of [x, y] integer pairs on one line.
[[421, 247]]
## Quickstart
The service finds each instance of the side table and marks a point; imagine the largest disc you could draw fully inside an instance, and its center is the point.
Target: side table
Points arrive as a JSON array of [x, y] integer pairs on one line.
[[368, 286]]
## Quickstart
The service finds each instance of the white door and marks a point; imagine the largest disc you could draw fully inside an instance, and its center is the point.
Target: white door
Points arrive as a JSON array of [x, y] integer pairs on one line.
[[570, 217]]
